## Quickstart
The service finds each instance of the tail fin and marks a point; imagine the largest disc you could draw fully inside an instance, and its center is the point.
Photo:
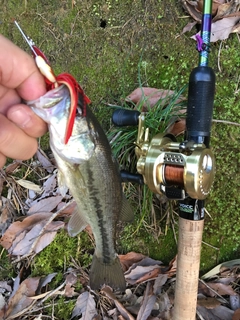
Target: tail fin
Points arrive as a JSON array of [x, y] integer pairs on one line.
[[108, 274]]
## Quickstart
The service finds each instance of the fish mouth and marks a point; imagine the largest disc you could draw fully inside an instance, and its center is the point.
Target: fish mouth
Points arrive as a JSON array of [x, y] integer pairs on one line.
[[49, 99]]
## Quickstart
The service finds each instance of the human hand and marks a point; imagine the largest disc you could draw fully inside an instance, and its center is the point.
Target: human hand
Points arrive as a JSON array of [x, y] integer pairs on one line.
[[19, 125]]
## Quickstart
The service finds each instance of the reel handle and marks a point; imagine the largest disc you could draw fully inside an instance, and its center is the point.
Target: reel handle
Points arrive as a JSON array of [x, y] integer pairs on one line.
[[124, 117], [131, 177]]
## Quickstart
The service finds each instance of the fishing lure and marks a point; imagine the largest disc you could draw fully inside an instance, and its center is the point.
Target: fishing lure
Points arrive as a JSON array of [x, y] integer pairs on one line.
[[52, 81]]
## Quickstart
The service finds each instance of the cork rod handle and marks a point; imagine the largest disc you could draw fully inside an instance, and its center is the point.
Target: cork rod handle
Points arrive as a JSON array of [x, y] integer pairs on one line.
[[188, 260]]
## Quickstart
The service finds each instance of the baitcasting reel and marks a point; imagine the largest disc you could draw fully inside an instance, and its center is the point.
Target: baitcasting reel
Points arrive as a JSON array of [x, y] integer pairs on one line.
[[178, 170]]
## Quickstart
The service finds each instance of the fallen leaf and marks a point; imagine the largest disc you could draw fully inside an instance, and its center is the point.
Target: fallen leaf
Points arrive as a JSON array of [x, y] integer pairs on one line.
[[148, 97], [236, 315], [218, 313], [29, 185], [49, 186], [188, 27], [216, 270], [208, 302], [108, 292], [45, 280], [45, 162], [221, 288], [46, 204], [71, 279], [22, 298], [6, 217], [141, 272], [222, 28], [30, 235], [159, 282], [127, 260], [147, 303], [150, 275], [12, 167], [19, 226], [85, 306], [234, 302]]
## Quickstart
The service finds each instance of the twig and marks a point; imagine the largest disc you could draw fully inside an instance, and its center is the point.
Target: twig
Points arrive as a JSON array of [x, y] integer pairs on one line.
[[199, 315], [207, 213], [51, 293], [215, 292], [219, 52], [207, 244], [226, 122]]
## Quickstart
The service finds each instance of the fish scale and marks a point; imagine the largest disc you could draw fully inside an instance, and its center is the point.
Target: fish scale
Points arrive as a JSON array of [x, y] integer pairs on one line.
[[86, 166]]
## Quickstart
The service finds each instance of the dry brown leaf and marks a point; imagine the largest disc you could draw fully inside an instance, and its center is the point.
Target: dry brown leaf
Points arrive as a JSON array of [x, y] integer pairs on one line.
[[222, 28], [127, 260], [221, 288], [234, 302], [19, 226], [71, 279], [31, 235], [49, 186], [85, 306], [108, 292], [29, 185], [220, 312], [215, 6], [25, 245], [188, 27], [45, 162], [177, 127], [150, 275], [21, 300], [68, 210], [208, 302], [6, 217], [47, 204], [159, 282], [147, 303], [12, 167], [148, 97], [141, 272], [236, 315], [191, 8]]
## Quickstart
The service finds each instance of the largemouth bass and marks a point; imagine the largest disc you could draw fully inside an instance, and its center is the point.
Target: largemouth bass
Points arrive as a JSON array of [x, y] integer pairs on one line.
[[86, 166]]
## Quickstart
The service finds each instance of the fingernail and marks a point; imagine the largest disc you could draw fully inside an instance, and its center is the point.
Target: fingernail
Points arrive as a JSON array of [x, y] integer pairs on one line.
[[20, 117]]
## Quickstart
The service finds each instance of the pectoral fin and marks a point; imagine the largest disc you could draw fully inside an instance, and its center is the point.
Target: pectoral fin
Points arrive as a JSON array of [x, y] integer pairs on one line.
[[127, 213], [76, 224], [61, 183]]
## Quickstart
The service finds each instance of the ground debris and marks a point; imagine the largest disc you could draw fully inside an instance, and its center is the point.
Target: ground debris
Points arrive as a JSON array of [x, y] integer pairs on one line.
[[226, 17]]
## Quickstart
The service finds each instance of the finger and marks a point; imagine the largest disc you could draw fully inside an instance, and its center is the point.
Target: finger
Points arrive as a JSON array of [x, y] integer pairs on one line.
[[3, 160], [14, 142], [18, 70], [8, 97], [27, 120]]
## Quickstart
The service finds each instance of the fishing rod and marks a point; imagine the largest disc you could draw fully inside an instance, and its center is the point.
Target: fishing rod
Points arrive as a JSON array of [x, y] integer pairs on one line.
[[182, 171], [198, 127]]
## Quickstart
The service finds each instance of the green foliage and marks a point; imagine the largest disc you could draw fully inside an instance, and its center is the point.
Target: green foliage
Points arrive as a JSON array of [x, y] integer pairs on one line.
[[58, 255], [62, 308], [6, 268]]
